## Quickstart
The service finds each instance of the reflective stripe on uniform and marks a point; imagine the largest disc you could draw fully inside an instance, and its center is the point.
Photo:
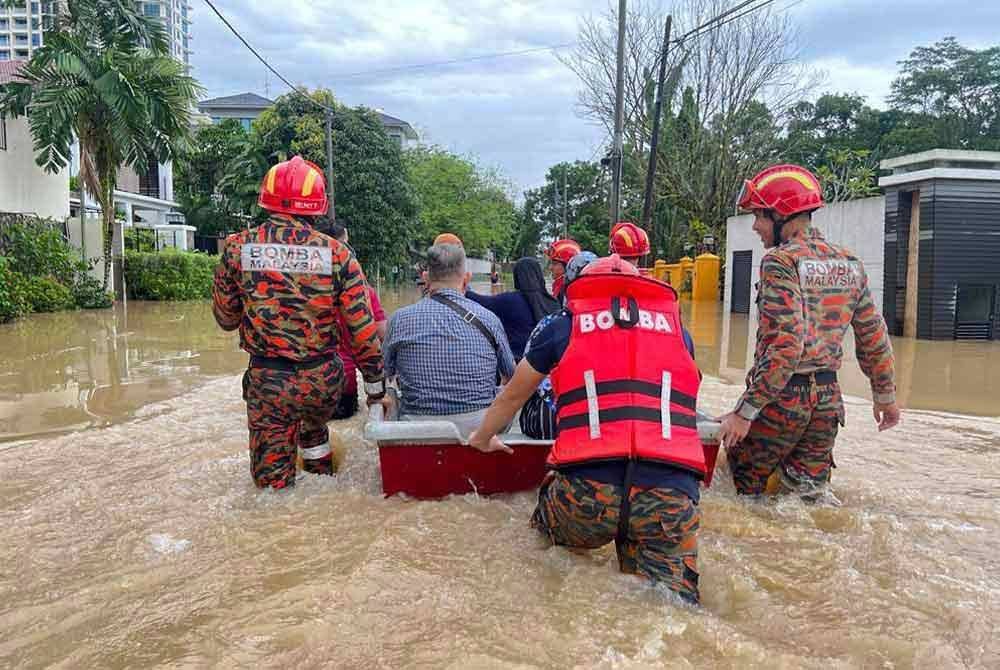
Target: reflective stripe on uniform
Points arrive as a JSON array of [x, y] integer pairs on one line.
[[314, 453]]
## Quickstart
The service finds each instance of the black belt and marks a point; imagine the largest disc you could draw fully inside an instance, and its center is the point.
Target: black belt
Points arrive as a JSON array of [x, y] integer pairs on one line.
[[287, 364], [821, 378]]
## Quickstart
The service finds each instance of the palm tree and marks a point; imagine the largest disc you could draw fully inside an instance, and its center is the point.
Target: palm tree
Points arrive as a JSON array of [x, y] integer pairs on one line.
[[104, 76]]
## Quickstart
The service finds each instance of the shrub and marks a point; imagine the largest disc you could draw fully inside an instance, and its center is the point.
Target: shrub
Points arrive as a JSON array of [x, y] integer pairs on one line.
[[13, 293], [39, 249], [46, 294], [89, 293], [169, 275]]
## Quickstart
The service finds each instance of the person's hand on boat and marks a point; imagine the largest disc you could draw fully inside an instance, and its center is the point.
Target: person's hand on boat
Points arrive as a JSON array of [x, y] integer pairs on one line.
[[480, 441], [734, 429]]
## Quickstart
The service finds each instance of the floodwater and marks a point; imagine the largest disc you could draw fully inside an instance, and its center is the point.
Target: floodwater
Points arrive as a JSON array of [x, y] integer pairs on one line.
[[131, 535]]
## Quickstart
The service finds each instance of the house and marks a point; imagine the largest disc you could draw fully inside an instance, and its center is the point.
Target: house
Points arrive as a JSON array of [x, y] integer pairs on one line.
[[245, 107], [26, 188], [399, 130]]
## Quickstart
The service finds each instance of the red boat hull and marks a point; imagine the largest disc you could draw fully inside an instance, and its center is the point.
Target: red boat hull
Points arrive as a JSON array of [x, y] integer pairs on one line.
[[439, 470], [429, 471]]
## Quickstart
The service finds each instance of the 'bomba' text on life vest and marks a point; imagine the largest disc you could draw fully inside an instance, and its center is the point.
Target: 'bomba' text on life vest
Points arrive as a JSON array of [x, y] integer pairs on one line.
[[287, 258], [655, 321]]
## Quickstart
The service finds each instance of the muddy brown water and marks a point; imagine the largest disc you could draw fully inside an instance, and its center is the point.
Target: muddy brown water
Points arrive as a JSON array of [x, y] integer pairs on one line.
[[131, 536]]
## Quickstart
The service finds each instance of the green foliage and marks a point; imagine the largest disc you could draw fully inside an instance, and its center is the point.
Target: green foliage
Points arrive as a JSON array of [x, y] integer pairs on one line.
[[169, 275], [42, 272], [140, 239], [46, 294], [106, 78], [88, 293], [847, 174], [954, 91], [38, 249], [577, 185], [453, 195], [13, 293], [371, 189], [198, 174]]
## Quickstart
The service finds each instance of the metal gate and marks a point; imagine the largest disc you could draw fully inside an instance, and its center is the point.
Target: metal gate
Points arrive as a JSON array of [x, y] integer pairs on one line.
[[975, 312], [742, 261]]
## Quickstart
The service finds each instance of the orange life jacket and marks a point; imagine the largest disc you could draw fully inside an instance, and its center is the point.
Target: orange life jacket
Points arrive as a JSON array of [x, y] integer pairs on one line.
[[626, 387]]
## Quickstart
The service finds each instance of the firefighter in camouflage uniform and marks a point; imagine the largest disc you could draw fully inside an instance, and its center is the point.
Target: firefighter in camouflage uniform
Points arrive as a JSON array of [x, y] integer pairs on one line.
[[283, 285], [780, 437], [627, 460]]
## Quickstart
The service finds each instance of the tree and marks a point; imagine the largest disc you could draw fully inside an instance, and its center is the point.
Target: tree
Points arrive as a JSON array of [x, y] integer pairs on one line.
[[453, 195], [104, 76], [198, 173], [957, 88], [579, 186], [728, 91], [370, 187], [847, 174]]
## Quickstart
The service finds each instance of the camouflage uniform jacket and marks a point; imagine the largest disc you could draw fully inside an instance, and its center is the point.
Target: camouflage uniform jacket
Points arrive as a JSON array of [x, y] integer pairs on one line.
[[810, 292], [282, 285]]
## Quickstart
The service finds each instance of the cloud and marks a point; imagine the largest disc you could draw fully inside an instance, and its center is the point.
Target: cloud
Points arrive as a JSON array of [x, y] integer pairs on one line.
[[519, 113], [843, 76]]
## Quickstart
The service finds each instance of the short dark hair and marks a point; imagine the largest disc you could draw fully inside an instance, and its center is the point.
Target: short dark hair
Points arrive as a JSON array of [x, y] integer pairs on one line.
[[338, 229]]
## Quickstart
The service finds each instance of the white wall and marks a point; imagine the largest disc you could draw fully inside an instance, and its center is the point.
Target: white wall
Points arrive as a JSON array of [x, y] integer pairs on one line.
[[478, 266], [858, 225], [24, 187]]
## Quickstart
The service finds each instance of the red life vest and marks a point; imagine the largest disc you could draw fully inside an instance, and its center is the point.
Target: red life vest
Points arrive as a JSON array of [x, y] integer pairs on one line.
[[626, 387]]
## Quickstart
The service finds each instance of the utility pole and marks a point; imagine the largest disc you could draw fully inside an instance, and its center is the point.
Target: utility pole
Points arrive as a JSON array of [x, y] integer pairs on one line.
[[617, 157], [647, 204], [329, 163], [565, 197]]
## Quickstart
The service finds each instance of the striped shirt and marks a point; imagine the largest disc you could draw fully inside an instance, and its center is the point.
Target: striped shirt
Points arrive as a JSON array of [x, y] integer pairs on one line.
[[444, 365]]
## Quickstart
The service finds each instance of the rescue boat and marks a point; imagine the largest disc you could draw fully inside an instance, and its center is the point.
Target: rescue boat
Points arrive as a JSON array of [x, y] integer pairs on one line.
[[430, 459]]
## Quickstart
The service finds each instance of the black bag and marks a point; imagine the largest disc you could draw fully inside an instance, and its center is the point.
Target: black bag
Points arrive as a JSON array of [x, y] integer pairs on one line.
[[538, 416]]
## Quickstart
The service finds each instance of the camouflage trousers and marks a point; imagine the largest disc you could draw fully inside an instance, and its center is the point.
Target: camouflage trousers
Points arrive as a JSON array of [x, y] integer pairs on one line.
[[790, 442], [661, 542], [287, 409]]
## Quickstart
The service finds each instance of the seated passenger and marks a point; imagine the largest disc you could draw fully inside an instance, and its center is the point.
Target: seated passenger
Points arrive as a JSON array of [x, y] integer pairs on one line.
[[348, 404], [446, 351], [520, 310], [627, 460], [538, 416]]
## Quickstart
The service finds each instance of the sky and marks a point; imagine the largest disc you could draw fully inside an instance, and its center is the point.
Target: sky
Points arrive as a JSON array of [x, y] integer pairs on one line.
[[519, 113]]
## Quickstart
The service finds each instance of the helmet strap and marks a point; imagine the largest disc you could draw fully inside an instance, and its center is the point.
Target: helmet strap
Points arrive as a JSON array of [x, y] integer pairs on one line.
[[776, 225]]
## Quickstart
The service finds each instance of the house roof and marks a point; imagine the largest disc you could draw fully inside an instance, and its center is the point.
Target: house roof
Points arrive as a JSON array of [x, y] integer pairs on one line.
[[393, 122], [240, 100], [9, 70]]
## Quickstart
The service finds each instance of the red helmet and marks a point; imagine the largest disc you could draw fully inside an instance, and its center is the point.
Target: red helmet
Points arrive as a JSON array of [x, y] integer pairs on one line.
[[786, 189], [294, 187], [562, 250], [628, 240], [613, 264]]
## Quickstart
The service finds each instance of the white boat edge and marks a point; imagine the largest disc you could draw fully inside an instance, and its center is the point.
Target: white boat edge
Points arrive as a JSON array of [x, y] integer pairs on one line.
[[389, 433]]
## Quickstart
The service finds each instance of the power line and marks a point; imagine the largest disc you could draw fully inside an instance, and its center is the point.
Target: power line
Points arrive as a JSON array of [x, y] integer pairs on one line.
[[722, 19], [263, 60], [503, 54]]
